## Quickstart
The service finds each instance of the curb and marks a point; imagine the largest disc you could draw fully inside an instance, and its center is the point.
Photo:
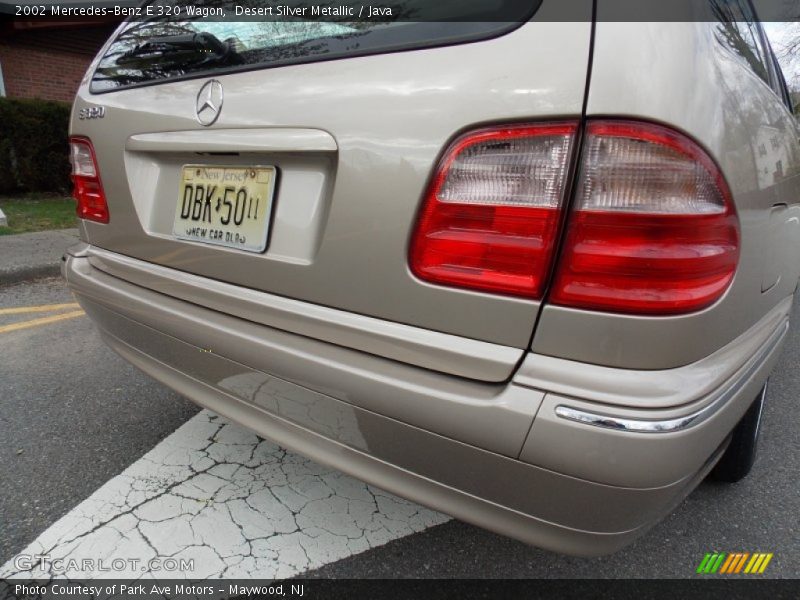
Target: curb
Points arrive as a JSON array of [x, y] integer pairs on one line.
[[36, 255], [29, 273]]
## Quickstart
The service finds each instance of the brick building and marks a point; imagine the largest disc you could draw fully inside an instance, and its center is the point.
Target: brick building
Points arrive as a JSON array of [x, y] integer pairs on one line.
[[47, 60]]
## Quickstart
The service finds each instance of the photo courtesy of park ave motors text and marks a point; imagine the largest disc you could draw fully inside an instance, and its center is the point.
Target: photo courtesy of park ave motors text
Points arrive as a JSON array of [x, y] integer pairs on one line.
[[477, 289]]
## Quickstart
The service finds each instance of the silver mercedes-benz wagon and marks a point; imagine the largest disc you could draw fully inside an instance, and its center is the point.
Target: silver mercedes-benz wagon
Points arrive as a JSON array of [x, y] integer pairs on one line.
[[531, 272]]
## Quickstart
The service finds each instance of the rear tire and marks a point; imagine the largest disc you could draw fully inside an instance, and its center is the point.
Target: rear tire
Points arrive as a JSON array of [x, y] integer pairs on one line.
[[738, 459]]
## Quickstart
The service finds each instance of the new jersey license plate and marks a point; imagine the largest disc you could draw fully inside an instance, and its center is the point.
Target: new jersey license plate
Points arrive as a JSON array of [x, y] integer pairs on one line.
[[226, 206]]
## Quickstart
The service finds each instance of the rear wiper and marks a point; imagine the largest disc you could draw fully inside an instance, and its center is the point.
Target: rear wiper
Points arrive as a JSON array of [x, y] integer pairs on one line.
[[197, 49]]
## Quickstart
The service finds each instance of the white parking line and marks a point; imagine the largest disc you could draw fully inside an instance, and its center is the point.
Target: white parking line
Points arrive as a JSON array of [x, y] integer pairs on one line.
[[239, 506]]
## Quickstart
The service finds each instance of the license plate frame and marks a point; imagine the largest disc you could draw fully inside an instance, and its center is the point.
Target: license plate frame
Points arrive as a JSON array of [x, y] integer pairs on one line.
[[251, 234]]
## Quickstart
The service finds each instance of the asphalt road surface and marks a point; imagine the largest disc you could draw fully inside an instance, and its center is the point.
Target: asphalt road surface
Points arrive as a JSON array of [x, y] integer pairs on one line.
[[97, 457]]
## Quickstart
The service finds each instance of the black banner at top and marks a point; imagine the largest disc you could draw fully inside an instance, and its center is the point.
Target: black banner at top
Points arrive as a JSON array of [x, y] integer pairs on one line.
[[42, 11]]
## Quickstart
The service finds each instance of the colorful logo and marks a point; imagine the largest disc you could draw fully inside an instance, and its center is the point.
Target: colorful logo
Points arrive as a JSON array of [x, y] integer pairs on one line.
[[733, 563]]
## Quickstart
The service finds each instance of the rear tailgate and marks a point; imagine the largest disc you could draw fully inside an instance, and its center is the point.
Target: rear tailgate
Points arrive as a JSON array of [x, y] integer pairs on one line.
[[353, 143]]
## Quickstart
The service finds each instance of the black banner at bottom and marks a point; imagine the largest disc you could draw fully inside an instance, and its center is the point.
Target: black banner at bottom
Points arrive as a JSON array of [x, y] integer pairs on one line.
[[584, 589]]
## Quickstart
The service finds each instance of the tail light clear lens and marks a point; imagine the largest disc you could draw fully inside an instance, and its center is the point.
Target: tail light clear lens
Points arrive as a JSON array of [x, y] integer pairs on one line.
[[490, 218], [653, 229], [88, 189]]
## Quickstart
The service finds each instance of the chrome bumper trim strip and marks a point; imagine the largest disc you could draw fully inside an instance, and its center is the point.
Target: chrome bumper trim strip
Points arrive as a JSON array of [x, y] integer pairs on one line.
[[672, 425]]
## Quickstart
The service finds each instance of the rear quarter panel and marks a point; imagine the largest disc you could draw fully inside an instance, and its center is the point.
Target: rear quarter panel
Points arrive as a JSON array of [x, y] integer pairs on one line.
[[680, 75]]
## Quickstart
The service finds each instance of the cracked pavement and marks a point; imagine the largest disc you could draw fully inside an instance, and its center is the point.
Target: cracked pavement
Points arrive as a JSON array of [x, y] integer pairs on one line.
[[237, 505]]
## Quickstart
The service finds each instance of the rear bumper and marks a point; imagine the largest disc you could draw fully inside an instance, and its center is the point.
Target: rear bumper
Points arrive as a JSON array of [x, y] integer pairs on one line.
[[496, 455]]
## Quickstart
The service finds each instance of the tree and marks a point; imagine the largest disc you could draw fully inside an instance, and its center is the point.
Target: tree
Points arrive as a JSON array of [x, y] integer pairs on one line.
[[785, 40]]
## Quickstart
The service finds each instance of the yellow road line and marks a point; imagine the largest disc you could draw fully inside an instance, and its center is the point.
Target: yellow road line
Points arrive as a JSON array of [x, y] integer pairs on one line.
[[34, 309], [40, 321]]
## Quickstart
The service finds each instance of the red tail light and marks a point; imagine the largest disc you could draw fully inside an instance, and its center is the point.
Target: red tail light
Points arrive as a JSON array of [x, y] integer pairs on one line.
[[88, 189], [653, 229], [490, 218]]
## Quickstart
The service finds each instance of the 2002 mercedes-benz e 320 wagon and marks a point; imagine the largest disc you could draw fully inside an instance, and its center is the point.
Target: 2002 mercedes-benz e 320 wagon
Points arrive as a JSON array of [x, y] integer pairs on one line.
[[532, 274]]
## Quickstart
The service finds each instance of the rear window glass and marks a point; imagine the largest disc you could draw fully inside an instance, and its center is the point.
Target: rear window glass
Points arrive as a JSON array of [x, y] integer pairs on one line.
[[739, 32], [170, 46]]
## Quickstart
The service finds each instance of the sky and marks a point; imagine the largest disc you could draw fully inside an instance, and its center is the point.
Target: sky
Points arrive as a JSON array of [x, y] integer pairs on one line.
[[780, 35]]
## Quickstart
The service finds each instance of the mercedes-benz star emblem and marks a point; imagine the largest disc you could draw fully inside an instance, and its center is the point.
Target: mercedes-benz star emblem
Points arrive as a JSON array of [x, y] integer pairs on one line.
[[209, 102]]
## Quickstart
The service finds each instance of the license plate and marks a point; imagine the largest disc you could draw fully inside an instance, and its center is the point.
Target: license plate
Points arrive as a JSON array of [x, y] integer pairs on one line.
[[226, 206]]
